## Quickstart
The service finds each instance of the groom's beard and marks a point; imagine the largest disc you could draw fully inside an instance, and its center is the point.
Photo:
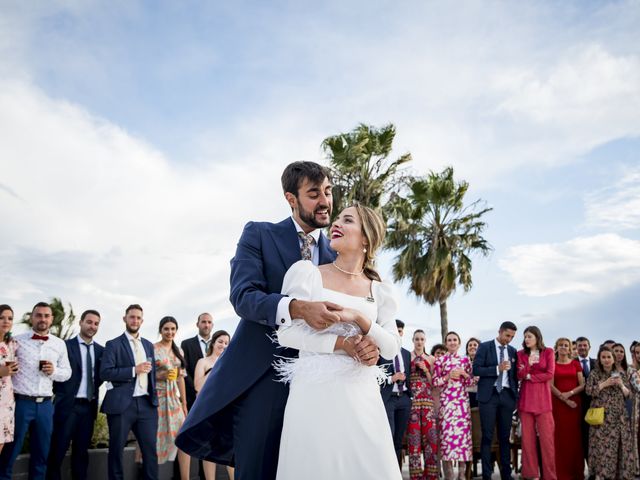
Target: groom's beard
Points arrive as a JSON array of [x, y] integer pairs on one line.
[[310, 218]]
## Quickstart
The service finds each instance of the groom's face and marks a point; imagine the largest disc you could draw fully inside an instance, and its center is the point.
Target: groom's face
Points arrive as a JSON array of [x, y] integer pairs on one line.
[[312, 206]]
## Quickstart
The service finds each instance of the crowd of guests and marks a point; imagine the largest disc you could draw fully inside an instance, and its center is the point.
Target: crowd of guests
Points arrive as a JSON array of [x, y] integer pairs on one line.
[[49, 388], [433, 398]]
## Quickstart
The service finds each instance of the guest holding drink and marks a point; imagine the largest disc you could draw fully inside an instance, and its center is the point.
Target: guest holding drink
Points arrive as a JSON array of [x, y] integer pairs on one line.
[[217, 345], [422, 433], [453, 375], [172, 398], [610, 444], [568, 384], [8, 368], [535, 369]]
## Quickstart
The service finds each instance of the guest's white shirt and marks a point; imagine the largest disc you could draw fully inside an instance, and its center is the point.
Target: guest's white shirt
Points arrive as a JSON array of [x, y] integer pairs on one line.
[[505, 378], [283, 318], [30, 380], [138, 391], [82, 389], [204, 344]]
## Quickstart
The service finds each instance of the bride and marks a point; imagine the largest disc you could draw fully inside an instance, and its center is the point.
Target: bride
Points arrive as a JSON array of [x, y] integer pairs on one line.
[[335, 425]]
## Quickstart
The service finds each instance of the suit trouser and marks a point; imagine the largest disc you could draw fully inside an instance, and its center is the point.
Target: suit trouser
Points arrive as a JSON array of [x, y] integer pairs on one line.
[[37, 418], [141, 417], [543, 424], [257, 426], [498, 409], [74, 426], [398, 411]]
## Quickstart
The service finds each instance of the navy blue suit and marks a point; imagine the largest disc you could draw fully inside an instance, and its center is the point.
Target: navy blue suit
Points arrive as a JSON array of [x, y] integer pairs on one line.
[[398, 406], [128, 413], [495, 406], [237, 416], [73, 418]]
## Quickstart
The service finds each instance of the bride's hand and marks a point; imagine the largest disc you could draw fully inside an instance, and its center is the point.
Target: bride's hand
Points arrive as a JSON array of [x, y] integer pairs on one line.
[[348, 344], [352, 315]]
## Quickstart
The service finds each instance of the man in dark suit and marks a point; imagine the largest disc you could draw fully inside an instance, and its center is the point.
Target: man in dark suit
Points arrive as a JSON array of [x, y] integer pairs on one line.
[[497, 396], [194, 349], [131, 403], [237, 417], [76, 401], [396, 393], [583, 345]]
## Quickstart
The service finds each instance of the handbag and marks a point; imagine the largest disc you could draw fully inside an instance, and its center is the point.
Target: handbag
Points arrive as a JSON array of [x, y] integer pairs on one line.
[[595, 416]]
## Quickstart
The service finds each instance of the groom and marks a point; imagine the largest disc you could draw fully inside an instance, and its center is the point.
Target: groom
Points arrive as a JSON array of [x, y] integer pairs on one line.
[[237, 417]]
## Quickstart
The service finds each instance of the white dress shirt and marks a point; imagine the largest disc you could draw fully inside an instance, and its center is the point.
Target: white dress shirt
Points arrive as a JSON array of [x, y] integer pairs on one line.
[[283, 318], [505, 377], [138, 391], [204, 344], [30, 380], [82, 389]]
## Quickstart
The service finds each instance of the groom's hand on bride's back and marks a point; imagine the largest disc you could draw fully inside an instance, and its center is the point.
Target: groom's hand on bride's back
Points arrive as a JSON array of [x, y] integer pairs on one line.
[[318, 315], [367, 351]]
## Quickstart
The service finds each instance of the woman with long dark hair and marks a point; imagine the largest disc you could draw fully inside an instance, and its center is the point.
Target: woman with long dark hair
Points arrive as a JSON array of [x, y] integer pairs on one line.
[[610, 444], [8, 368], [536, 366], [172, 399]]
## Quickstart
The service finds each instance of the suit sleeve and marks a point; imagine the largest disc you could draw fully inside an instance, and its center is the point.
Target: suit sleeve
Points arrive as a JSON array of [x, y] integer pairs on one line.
[[249, 295], [109, 371], [480, 367]]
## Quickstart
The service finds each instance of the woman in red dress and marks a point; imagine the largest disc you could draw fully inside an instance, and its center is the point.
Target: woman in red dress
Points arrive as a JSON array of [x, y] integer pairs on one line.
[[422, 434], [568, 383]]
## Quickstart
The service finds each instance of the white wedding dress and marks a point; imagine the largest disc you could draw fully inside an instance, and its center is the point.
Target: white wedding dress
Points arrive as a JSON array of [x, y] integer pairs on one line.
[[335, 425]]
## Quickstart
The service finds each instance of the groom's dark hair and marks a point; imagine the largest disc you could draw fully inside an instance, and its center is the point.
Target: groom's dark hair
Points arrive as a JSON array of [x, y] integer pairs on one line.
[[296, 172]]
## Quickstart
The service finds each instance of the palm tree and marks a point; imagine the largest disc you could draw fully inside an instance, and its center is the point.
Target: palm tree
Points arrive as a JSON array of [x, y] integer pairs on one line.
[[62, 325], [436, 234], [361, 168]]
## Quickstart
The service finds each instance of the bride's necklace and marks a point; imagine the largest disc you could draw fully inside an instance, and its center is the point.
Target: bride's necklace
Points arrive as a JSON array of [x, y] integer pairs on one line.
[[345, 271]]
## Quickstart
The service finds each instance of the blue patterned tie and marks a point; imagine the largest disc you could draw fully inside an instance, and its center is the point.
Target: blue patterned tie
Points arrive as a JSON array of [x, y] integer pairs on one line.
[[305, 250]]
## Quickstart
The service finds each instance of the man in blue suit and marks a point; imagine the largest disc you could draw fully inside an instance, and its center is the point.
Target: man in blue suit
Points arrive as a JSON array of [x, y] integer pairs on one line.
[[396, 393], [497, 396], [237, 417], [131, 402], [76, 401]]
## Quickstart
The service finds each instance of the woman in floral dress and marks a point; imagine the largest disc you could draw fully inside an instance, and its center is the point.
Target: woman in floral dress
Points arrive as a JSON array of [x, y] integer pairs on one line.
[[610, 444], [8, 368], [635, 413], [172, 400], [422, 433], [453, 374]]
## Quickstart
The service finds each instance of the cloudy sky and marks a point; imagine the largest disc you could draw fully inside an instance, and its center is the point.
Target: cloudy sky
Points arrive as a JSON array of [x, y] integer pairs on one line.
[[137, 138]]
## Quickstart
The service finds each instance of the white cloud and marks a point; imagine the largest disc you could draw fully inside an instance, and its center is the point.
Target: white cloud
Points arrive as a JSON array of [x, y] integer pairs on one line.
[[617, 206], [594, 265]]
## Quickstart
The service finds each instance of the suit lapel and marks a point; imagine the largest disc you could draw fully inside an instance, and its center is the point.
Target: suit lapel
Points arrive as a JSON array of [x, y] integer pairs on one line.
[[286, 241], [75, 355], [127, 348], [492, 352]]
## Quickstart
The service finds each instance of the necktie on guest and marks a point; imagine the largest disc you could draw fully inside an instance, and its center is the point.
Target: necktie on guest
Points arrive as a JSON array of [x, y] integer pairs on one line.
[[305, 249], [585, 366], [141, 357], [89, 367], [501, 376]]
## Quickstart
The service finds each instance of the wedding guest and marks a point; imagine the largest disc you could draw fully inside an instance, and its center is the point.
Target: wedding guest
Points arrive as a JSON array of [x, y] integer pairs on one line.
[[588, 364], [422, 433], [437, 351], [172, 398], [452, 373], [8, 368], [620, 356], [194, 349], [75, 405], [131, 404], [610, 444], [396, 393], [497, 396], [536, 367], [470, 349], [635, 412], [218, 344], [42, 359], [568, 384], [574, 349]]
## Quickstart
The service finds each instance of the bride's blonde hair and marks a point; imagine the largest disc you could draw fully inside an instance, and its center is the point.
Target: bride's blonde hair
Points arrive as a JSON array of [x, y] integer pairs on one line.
[[373, 229]]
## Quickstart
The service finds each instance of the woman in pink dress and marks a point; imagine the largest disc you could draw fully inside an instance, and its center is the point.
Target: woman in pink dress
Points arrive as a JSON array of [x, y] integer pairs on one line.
[[8, 368], [536, 365], [452, 372]]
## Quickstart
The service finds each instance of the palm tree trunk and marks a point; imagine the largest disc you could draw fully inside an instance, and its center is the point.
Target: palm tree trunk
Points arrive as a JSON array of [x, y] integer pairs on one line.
[[444, 319]]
